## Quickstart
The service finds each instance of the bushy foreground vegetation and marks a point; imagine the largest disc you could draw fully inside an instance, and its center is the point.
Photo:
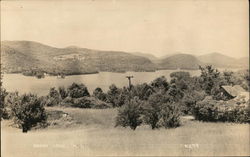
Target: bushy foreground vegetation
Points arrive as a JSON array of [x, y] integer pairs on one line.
[[26, 110], [211, 110], [159, 103]]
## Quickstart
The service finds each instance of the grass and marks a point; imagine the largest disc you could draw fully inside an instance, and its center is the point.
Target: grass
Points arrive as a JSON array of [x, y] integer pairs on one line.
[[94, 134]]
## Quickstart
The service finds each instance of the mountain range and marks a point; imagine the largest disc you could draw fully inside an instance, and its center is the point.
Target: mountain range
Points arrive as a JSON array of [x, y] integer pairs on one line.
[[21, 56]]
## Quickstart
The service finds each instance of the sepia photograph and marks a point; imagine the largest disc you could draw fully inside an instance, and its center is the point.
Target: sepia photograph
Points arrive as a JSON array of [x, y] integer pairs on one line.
[[124, 78]]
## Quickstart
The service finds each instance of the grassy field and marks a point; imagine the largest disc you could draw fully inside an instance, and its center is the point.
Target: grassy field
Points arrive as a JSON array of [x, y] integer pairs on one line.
[[93, 134]]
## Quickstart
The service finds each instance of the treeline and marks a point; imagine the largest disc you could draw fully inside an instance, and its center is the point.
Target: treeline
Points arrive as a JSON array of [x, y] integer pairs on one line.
[[159, 103], [41, 73]]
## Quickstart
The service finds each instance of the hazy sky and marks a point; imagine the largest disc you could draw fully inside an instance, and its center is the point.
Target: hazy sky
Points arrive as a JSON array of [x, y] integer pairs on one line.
[[151, 26]]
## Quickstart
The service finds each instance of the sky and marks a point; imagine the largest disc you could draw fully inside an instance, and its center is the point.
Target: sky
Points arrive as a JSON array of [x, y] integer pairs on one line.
[[158, 27]]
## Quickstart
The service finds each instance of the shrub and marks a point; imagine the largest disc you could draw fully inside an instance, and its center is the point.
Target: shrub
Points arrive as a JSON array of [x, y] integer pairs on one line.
[[179, 75], [170, 116], [130, 114], [52, 99], [160, 83], [53, 93], [237, 115], [152, 109], [175, 93], [82, 102], [209, 78], [114, 96], [211, 110], [77, 90], [27, 111], [98, 104], [159, 111], [151, 114], [68, 101], [143, 91], [3, 107], [206, 110], [190, 99], [98, 93]]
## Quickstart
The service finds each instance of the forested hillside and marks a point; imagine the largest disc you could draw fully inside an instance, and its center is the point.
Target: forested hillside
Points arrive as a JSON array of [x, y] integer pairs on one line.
[[20, 56], [30, 58]]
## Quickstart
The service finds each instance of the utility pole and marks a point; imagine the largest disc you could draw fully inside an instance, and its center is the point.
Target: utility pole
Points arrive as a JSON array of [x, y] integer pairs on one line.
[[129, 81]]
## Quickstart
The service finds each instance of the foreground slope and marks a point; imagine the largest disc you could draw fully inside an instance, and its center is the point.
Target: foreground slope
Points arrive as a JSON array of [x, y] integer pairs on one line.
[[95, 135]]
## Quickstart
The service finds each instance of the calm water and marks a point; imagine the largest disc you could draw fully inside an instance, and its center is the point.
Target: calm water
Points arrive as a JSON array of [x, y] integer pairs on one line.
[[26, 84]]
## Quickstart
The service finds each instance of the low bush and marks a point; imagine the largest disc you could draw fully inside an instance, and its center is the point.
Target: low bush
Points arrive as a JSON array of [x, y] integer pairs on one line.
[[212, 110], [82, 102], [68, 101], [190, 99], [98, 93], [98, 104], [87, 102], [51, 101]]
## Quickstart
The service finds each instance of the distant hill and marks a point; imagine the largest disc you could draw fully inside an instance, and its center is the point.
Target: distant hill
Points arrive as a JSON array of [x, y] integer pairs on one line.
[[169, 55], [29, 56], [20, 56], [146, 55], [223, 61], [180, 61], [243, 62]]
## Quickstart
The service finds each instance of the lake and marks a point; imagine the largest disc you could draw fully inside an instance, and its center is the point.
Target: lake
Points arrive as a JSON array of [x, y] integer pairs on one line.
[[26, 84]]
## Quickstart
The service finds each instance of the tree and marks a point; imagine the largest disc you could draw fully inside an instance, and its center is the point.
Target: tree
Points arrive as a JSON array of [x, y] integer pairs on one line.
[[209, 78], [77, 90], [113, 96], [190, 99], [170, 115], [3, 94], [3, 110], [181, 79], [27, 111], [175, 93], [98, 93], [180, 75], [130, 114], [160, 83], [151, 114], [53, 93], [228, 76], [160, 111], [63, 93], [53, 98], [246, 82], [143, 91], [152, 109]]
